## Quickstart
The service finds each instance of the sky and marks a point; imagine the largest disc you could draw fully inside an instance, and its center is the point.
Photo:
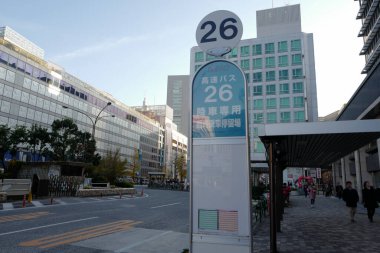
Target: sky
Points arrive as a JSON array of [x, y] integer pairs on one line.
[[128, 48]]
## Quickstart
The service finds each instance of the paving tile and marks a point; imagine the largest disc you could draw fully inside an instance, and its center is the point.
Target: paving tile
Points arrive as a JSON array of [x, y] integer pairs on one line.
[[324, 228]]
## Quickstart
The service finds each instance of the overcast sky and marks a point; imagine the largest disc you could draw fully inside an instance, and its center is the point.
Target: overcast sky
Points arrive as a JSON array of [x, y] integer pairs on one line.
[[129, 47]]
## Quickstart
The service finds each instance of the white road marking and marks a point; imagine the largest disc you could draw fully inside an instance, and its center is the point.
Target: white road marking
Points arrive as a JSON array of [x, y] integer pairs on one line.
[[8, 206], [142, 242], [177, 203], [37, 203], [60, 202], [46, 226], [96, 199]]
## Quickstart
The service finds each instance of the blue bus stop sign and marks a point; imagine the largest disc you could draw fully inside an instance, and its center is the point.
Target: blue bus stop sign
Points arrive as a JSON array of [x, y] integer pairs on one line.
[[218, 101]]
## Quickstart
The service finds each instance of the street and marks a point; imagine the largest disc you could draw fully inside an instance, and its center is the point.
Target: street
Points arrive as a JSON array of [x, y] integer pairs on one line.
[[156, 222]]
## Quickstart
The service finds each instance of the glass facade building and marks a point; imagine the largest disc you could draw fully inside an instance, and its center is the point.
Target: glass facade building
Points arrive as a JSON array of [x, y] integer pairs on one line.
[[280, 72], [35, 91]]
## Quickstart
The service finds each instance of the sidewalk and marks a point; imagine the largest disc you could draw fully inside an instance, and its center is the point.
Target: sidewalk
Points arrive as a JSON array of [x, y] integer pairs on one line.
[[325, 228]]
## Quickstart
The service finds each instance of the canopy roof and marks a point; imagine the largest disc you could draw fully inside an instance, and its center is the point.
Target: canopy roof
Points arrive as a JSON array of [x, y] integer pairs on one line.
[[317, 144]]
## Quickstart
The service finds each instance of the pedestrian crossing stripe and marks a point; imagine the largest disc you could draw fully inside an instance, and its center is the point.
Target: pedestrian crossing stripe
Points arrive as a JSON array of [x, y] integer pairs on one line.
[[80, 234], [26, 216]]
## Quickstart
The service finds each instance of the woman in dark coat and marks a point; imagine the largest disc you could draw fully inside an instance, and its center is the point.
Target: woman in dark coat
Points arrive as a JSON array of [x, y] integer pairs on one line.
[[369, 200]]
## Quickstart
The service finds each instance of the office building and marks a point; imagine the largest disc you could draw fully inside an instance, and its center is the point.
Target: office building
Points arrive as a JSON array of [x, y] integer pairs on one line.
[[364, 164], [36, 91], [173, 143], [280, 72], [178, 92]]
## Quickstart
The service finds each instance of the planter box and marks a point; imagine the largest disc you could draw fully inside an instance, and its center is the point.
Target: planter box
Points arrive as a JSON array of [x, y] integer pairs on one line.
[[3, 197], [104, 192]]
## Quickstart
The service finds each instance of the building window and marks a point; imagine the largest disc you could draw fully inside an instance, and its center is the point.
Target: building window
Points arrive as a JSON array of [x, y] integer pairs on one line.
[[199, 57], [298, 87], [257, 104], [233, 53], [270, 76], [256, 49], [284, 102], [271, 117], [299, 116], [269, 62], [244, 51], [257, 77], [297, 73], [271, 89], [197, 67], [285, 117], [258, 90], [244, 64], [271, 103], [210, 57], [269, 48], [283, 74], [258, 118], [283, 61], [295, 45], [255, 132], [284, 88], [257, 63], [258, 147], [296, 59], [247, 77], [282, 46], [298, 102]]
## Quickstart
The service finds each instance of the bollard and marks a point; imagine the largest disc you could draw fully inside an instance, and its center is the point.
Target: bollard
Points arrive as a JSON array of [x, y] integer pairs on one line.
[[51, 201], [142, 192], [30, 197], [24, 201], [120, 195]]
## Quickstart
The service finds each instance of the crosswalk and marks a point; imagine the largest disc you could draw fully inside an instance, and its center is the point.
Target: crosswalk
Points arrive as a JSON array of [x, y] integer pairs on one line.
[[63, 201], [80, 234]]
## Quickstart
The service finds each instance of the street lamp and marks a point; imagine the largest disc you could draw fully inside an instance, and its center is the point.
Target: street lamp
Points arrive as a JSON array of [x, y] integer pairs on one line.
[[98, 117]]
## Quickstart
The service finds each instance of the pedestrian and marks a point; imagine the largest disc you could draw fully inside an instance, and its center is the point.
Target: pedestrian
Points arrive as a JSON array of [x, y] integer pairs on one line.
[[312, 194], [351, 197], [286, 192], [369, 200], [339, 191], [305, 187]]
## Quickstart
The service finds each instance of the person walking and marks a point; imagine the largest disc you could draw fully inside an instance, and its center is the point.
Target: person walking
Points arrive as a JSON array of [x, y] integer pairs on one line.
[[305, 187], [312, 194], [351, 197], [369, 200]]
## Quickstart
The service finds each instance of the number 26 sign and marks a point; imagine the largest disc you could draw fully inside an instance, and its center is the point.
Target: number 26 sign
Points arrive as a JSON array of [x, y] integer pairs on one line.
[[219, 32]]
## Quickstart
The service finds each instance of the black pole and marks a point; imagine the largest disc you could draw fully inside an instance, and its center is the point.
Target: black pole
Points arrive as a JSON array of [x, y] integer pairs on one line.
[[272, 213], [279, 197]]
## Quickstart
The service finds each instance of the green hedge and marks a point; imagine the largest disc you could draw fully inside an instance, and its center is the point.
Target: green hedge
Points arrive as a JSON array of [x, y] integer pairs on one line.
[[124, 184]]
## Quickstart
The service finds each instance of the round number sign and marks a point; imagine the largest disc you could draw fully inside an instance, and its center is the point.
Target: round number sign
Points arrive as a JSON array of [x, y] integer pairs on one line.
[[219, 32]]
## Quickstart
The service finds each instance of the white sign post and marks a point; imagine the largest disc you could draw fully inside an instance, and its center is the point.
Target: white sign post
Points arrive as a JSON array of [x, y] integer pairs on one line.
[[220, 187]]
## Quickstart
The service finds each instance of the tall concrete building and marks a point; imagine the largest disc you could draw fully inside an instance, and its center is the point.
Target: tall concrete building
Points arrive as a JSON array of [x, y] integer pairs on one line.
[[178, 92], [364, 164], [36, 91], [173, 143], [280, 71]]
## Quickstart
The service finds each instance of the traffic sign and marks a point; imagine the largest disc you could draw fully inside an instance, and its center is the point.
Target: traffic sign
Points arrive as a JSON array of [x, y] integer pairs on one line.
[[219, 32]]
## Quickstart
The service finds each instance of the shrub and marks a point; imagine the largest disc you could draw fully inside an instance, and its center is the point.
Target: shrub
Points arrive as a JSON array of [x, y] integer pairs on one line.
[[124, 184]]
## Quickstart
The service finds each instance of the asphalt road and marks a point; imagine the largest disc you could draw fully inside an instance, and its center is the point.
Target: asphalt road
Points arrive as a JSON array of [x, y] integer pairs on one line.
[[157, 222]]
